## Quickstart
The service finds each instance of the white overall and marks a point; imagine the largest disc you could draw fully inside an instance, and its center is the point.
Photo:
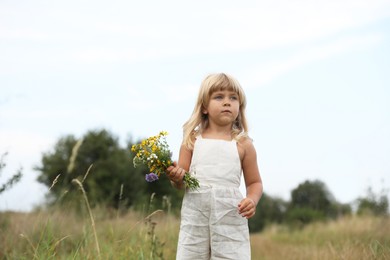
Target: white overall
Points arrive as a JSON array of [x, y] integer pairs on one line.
[[211, 227]]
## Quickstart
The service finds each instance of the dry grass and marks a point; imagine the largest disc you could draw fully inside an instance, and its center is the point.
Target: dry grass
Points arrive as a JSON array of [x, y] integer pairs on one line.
[[63, 234], [348, 238]]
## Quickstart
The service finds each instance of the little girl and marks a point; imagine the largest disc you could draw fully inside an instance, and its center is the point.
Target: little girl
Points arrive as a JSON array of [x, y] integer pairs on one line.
[[216, 149]]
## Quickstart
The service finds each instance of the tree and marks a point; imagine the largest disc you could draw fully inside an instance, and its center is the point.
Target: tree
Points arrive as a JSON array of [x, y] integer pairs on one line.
[[112, 180], [375, 204], [314, 195], [268, 210], [311, 201], [111, 168], [11, 181]]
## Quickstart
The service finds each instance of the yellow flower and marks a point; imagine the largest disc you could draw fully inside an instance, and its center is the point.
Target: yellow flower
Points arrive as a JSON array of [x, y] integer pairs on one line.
[[154, 153]]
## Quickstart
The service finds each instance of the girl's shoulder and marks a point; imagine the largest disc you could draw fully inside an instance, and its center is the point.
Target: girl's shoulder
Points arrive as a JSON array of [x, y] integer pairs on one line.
[[245, 146], [244, 140]]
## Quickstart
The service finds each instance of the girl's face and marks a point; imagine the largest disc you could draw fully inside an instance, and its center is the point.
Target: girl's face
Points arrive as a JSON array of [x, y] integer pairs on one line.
[[223, 107]]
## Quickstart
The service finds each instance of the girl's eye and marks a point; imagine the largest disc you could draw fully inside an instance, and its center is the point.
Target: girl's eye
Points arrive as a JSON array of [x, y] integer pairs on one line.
[[234, 98], [218, 97]]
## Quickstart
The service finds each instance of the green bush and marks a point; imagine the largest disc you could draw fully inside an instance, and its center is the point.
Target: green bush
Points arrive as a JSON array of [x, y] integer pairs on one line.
[[298, 217], [268, 210]]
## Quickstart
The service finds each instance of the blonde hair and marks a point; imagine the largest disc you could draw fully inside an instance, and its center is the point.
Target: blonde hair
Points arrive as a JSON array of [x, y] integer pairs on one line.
[[199, 122]]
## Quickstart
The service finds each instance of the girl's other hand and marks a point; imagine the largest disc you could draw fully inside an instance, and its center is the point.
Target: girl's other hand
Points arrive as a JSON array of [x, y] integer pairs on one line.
[[247, 208]]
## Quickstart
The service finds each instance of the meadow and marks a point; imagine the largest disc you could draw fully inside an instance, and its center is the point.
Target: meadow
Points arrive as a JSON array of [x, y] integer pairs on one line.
[[97, 233]]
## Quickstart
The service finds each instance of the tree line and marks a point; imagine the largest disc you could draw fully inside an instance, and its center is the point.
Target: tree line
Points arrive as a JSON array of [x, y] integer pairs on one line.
[[106, 170]]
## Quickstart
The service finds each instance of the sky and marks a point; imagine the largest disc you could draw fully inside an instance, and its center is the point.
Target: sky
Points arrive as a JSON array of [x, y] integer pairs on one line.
[[316, 75]]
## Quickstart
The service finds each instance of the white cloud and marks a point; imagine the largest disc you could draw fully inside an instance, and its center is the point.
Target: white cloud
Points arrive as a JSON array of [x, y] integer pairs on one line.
[[135, 33], [180, 93], [267, 72], [23, 144]]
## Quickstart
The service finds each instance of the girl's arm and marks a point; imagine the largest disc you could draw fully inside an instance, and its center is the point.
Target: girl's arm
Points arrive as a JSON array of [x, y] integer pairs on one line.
[[253, 182], [177, 171]]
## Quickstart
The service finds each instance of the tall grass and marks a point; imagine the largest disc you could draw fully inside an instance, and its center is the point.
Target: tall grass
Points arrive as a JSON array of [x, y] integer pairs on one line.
[[77, 182], [64, 234], [346, 238]]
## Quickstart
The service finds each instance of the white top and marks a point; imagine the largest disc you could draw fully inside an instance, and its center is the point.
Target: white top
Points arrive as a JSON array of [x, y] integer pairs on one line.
[[216, 163]]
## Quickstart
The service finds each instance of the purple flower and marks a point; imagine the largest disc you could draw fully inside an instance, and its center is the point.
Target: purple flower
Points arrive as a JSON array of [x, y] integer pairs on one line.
[[151, 177]]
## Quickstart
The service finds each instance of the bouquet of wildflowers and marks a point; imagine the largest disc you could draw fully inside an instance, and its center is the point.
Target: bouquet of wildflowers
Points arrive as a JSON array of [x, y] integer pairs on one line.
[[155, 154]]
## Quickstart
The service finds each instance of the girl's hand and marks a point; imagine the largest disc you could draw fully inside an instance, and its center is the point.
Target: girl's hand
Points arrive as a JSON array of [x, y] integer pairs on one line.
[[247, 208], [175, 173]]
